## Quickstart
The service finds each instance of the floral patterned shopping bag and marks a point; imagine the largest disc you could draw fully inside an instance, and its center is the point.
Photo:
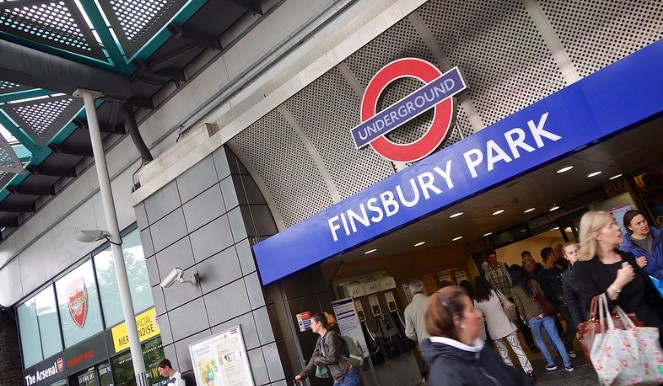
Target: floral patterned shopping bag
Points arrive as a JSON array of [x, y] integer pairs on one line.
[[631, 356]]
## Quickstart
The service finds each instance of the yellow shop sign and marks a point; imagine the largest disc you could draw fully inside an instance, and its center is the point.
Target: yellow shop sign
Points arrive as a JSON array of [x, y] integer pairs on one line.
[[147, 328]]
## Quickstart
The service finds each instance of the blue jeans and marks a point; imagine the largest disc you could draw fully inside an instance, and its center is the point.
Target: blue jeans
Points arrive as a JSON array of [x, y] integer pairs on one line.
[[549, 324], [350, 379]]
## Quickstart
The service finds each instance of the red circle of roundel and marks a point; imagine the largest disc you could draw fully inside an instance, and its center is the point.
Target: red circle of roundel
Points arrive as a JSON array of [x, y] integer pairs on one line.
[[442, 112]]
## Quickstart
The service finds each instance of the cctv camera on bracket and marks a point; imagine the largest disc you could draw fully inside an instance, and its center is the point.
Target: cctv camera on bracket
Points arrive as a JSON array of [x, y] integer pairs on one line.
[[177, 275]]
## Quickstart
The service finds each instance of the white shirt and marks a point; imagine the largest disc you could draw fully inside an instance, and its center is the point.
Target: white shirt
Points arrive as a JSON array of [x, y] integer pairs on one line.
[[176, 380]]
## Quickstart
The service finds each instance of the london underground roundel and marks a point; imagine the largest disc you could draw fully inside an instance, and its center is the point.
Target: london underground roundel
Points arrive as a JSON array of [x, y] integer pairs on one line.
[[437, 94]]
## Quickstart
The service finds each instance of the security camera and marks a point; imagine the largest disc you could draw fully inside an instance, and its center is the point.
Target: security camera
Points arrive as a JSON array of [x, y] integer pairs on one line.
[[172, 277], [88, 236], [177, 275]]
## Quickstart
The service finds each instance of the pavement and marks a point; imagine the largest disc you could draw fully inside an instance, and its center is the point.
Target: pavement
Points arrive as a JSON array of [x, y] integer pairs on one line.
[[583, 374]]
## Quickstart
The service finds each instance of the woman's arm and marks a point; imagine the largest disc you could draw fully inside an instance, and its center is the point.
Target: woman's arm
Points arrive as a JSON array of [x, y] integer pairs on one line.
[[310, 367], [572, 299], [519, 303]]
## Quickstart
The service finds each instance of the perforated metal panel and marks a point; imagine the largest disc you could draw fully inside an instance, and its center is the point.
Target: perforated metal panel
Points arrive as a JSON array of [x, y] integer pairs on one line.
[[139, 20], [276, 152], [9, 87], [497, 47], [9, 162], [327, 124], [43, 118], [58, 24], [599, 32]]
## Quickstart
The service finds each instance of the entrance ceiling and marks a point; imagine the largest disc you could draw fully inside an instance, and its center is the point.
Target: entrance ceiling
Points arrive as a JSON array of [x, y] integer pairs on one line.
[[630, 153], [127, 49]]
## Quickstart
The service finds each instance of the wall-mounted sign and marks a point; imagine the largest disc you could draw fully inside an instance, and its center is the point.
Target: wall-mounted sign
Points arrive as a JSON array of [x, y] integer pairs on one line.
[[147, 328], [221, 360], [44, 371], [616, 97], [304, 321], [436, 94], [77, 293]]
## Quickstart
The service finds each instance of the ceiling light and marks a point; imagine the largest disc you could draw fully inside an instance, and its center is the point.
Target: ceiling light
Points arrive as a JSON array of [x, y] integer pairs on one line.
[[529, 210], [594, 174], [420, 243], [615, 177], [499, 211], [370, 251], [488, 234], [456, 214], [457, 238], [555, 229], [565, 169], [553, 208]]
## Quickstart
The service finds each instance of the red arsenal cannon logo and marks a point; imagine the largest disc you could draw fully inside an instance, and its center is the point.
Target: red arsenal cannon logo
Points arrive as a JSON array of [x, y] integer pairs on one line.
[[77, 300]]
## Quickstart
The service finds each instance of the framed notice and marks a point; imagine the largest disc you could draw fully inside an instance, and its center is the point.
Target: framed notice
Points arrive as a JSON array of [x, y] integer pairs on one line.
[[221, 360]]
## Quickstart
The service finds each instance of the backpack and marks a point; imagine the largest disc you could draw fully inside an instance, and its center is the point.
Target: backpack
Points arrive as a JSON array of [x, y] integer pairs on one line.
[[355, 355]]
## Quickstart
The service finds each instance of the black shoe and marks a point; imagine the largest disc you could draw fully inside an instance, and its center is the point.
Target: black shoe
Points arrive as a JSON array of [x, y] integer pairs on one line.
[[531, 375]]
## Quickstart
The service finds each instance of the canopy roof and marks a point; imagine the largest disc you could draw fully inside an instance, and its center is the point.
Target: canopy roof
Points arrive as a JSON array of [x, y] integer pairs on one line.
[[127, 49]]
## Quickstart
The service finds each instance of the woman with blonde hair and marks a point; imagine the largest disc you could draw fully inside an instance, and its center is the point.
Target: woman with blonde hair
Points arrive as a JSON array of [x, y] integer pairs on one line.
[[602, 268], [455, 352]]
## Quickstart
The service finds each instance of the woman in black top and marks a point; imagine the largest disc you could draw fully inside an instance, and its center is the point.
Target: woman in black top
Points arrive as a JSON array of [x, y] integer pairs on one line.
[[602, 268]]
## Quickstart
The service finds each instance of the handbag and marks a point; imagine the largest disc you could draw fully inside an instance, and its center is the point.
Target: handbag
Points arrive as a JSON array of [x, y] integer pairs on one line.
[[588, 330], [508, 306], [322, 371], [629, 356], [547, 307]]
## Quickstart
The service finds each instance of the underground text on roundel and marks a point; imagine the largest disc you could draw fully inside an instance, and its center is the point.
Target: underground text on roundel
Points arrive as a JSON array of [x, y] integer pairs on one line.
[[431, 183]]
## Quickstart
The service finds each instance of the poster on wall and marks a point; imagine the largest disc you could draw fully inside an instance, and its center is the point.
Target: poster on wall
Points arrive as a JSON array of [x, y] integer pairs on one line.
[[304, 321], [348, 322], [459, 275], [221, 360]]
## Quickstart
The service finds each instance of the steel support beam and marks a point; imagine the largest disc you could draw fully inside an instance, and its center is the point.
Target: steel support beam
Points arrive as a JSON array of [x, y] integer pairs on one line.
[[13, 223], [17, 208], [251, 5], [32, 190], [51, 171], [117, 129], [63, 148]]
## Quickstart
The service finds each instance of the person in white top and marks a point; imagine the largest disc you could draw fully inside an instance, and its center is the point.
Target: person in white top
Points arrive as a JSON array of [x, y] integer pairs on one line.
[[166, 370], [487, 300]]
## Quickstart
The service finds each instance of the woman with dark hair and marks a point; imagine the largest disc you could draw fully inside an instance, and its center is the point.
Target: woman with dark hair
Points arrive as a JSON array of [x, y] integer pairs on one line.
[[524, 288], [455, 352], [643, 242], [601, 268], [488, 301], [328, 352]]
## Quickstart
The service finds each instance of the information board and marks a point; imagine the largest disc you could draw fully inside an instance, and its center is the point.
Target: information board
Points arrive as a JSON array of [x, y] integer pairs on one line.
[[221, 360], [348, 322]]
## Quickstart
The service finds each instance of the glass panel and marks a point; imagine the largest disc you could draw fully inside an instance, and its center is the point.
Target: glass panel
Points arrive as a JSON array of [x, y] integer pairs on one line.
[[88, 378], [139, 283], [61, 382], [105, 376], [78, 303], [29, 329], [49, 326], [152, 355]]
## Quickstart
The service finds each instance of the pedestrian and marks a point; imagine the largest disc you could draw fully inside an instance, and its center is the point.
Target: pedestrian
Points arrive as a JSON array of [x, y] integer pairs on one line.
[[166, 370]]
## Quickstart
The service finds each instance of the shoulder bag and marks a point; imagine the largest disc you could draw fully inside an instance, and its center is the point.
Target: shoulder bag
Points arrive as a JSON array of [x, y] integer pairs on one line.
[[547, 307], [322, 371], [588, 330], [508, 306], [626, 355]]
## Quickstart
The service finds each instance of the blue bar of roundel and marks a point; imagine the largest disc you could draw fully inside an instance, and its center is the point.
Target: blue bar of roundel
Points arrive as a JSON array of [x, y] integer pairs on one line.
[[452, 74], [619, 96]]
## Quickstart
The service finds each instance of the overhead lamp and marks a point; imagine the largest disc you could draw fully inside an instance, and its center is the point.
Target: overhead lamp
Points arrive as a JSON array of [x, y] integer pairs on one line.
[[594, 174], [529, 210], [565, 169], [456, 214], [370, 251], [457, 238], [553, 208], [419, 243], [499, 211], [90, 236], [487, 234], [615, 177]]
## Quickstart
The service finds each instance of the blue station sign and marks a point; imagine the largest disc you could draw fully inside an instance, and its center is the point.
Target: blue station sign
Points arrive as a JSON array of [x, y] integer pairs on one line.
[[616, 97]]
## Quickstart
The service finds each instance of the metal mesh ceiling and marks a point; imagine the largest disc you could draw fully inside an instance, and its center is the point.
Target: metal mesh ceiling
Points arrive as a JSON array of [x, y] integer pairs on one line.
[[42, 119], [9, 162], [59, 24]]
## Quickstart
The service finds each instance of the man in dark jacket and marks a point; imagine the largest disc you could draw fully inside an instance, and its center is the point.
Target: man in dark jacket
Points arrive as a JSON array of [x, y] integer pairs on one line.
[[578, 314], [550, 278]]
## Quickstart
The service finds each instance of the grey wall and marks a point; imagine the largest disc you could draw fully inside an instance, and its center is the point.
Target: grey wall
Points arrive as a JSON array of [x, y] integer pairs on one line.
[[205, 222]]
